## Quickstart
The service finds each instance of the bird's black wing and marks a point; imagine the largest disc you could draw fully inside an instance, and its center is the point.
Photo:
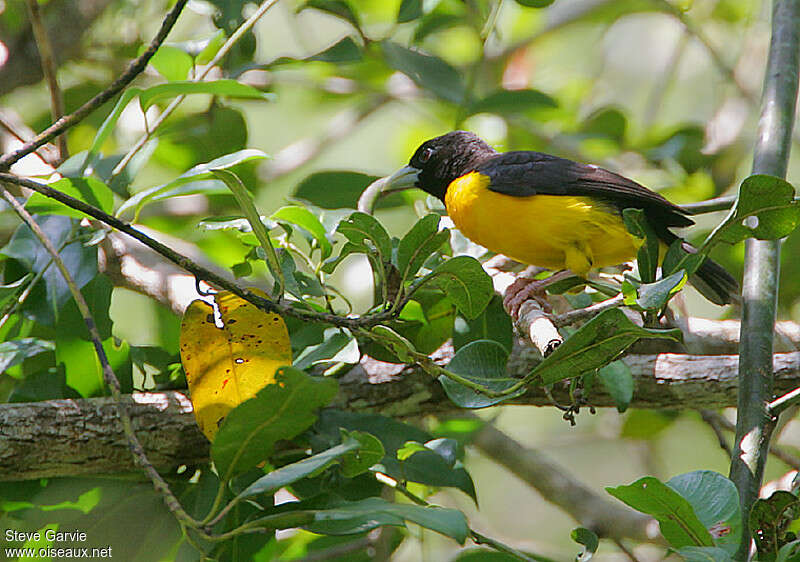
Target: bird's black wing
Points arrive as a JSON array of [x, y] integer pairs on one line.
[[524, 173]]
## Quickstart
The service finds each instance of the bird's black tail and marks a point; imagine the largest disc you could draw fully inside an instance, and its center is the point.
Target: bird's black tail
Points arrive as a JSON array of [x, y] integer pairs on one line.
[[713, 281]]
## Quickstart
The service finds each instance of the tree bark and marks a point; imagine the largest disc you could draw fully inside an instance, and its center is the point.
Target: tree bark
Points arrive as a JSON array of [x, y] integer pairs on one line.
[[73, 437]]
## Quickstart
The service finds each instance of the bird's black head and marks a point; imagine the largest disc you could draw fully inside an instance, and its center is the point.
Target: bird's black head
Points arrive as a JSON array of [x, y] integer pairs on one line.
[[445, 158]]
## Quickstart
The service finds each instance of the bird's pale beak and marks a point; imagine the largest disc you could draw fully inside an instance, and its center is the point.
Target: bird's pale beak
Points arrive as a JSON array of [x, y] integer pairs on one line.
[[404, 178]]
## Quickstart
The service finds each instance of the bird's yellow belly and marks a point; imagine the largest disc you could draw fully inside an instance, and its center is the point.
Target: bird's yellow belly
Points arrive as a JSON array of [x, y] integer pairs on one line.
[[552, 231]]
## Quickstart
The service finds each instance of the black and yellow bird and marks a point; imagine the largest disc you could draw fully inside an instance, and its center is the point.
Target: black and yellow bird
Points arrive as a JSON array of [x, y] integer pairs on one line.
[[547, 211]]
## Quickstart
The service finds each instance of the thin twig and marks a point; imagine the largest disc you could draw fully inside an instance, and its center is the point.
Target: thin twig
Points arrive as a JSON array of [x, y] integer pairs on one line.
[[11, 130], [780, 404], [580, 314], [173, 105], [48, 64], [201, 273], [627, 551], [774, 450], [713, 421], [108, 374], [133, 70]]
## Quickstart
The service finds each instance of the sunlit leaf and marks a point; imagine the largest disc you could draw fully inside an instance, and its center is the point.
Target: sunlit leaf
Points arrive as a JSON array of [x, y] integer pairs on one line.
[[192, 181], [226, 366], [223, 87], [89, 190], [302, 217], [173, 63]]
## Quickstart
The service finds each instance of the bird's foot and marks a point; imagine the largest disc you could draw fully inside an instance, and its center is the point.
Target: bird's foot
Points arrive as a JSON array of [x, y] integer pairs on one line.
[[523, 289]]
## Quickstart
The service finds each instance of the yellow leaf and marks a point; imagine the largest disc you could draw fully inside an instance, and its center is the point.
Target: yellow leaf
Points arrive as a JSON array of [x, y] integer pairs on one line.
[[226, 366]]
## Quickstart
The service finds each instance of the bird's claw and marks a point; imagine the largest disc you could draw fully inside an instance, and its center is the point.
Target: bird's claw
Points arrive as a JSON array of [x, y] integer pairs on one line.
[[523, 289]]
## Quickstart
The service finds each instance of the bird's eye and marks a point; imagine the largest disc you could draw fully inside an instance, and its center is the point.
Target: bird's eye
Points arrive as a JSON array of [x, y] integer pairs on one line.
[[425, 155]]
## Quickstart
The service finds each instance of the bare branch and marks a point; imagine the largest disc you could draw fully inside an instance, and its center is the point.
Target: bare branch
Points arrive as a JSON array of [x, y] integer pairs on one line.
[[553, 481], [70, 437], [49, 70]]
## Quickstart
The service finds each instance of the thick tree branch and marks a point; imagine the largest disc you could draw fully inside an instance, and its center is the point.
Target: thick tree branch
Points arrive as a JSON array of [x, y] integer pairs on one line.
[[70, 437]]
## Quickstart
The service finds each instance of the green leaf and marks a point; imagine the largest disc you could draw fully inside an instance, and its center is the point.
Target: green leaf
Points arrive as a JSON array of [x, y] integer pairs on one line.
[[510, 102], [464, 280], [418, 244], [434, 466], [308, 467], [482, 362], [367, 234], [427, 71], [397, 345], [767, 198], [594, 345], [715, 501], [108, 126], [192, 181], [617, 380], [278, 411], [409, 10], [589, 541], [344, 50], [245, 201], [14, 352], [656, 295], [333, 190], [704, 554], [677, 258], [173, 63], [305, 219], [89, 190], [647, 258], [338, 346], [338, 8], [534, 3], [50, 295], [606, 122], [223, 87], [790, 552], [492, 324], [426, 321], [771, 522], [369, 452], [357, 517], [676, 517]]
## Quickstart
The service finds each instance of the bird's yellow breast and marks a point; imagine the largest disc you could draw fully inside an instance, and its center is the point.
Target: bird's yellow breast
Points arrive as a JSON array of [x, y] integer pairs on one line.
[[552, 231]]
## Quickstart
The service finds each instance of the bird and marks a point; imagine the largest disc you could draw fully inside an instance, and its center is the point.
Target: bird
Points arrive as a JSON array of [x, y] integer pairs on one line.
[[547, 211]]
